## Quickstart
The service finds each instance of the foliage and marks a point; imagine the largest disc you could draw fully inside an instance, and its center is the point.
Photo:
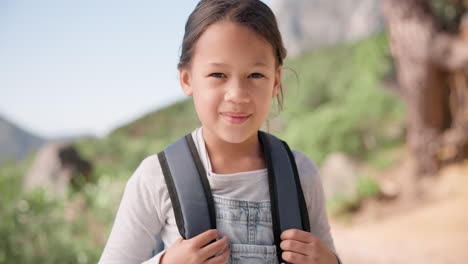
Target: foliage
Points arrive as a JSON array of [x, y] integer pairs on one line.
[[38, 229], [340, 104], [366, 187], [448, 13], [170, 122]]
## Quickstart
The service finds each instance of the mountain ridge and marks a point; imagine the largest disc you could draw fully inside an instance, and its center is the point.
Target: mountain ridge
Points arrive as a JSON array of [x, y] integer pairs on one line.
[[16, 143]]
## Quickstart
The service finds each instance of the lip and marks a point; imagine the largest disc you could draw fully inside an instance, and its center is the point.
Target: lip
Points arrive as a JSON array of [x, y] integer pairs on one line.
[[236, 118]]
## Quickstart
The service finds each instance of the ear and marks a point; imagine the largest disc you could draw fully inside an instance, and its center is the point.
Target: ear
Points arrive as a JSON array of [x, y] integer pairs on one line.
[[186, 81], [277, 85]]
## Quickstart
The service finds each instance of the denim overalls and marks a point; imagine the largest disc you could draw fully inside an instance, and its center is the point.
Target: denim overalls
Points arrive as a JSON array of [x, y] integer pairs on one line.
[[248, 226]]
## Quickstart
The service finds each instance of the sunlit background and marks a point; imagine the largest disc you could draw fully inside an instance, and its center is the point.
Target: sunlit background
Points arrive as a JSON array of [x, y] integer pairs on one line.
[[376, 93]]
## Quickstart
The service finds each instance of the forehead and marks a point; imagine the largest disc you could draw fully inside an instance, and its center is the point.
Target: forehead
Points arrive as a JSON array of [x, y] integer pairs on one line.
[[227, 43]]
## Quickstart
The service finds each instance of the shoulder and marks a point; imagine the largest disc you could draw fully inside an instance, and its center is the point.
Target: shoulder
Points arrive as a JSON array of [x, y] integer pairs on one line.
[[150, 170], [146, 188], [148, 167], [305, 166], [149, 164], [308, 174], [148, 176]]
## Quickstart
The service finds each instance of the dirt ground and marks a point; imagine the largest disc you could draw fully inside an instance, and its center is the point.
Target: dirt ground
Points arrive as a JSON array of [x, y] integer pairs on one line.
[[431, 229]]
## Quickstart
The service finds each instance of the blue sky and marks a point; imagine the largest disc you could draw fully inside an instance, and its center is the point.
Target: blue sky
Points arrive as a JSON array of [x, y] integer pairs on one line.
[[85, 67]]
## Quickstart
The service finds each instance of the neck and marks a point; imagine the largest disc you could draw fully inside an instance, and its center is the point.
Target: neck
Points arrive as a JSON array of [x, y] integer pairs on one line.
[[229, 157]]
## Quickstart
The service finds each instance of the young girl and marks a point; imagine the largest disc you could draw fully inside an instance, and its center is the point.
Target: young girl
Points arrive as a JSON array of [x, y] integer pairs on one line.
[[231, 61]]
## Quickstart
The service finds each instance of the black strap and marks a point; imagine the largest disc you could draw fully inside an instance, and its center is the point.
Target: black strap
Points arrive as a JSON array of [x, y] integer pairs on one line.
[[190, 194], [172, 193], [273, 197], [203, 178], [300, 193], [288, 206]]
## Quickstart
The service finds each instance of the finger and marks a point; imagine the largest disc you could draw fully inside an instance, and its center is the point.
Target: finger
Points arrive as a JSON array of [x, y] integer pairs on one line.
[[293, 257], [204, 238], [214, 248], [299, 235], [221, 258], [296, 246]]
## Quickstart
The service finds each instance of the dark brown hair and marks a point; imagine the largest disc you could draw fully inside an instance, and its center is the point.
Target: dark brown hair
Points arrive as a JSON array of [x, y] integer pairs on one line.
[[251, 13]]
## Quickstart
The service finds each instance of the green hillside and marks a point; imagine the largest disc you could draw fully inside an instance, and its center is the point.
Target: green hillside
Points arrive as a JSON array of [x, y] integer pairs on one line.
[[170, 122], [335, 103], [340, 104]]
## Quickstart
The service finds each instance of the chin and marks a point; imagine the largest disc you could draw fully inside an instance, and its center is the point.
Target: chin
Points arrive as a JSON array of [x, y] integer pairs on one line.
[[236, 136]]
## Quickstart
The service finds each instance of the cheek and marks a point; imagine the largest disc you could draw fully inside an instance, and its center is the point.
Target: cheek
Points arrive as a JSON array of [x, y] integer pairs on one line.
[[207, 95], [262, 104], [206, 103], [264, 95], [266, 106]]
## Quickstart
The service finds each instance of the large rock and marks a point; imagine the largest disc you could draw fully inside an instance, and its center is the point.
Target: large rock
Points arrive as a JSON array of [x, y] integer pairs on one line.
[[310, 24], [340, 176], [54, 168]]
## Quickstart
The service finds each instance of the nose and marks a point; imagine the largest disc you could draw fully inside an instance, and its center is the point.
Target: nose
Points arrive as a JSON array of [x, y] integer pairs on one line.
[[237, 93]]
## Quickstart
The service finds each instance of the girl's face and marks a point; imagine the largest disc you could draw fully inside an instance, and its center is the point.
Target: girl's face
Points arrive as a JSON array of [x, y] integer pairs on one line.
[[232, 77]]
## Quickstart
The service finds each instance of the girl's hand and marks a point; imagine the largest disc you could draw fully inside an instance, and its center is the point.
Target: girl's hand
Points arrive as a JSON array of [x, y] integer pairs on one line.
[[301, 247], [197, 250]]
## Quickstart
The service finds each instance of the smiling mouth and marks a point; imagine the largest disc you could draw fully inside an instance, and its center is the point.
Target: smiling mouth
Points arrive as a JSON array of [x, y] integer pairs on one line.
[[236, 118]]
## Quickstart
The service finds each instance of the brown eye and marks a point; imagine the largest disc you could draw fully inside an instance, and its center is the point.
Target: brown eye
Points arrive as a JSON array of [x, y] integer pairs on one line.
[[256, 75], [218, 75]]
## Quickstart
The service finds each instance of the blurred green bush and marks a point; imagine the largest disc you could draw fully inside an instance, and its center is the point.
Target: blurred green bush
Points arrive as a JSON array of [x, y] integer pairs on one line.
[[339, 103]]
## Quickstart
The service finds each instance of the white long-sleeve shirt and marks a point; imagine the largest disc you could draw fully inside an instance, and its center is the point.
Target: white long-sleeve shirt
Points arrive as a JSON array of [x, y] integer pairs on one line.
[[145, 211]]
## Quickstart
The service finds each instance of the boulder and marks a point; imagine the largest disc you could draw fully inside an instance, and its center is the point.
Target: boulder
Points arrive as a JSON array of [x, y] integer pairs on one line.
[[311, 24], [54, 169], [339, 175]]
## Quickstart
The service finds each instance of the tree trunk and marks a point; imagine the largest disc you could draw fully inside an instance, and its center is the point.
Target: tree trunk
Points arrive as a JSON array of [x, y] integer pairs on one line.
[[411, 28], [429, 66], [451, 53]]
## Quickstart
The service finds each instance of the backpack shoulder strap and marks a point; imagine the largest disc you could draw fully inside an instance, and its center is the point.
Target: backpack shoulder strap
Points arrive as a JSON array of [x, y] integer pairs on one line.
[[288, 205], [188, 187]]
